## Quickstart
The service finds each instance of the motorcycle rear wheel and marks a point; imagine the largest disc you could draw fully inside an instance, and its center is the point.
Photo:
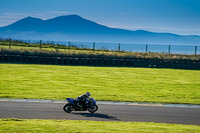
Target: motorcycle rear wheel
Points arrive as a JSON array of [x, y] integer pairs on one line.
[[68, 108], [93, 109]]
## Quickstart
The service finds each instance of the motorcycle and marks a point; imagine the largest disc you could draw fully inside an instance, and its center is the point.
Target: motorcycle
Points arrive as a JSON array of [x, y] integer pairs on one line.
[[90, 105]]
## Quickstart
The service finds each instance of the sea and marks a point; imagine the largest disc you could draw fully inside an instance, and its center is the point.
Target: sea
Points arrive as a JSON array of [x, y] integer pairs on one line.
[[147, 48]]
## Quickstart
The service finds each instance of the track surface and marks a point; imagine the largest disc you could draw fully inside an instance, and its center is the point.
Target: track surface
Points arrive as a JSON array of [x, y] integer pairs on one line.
[[34, 110]]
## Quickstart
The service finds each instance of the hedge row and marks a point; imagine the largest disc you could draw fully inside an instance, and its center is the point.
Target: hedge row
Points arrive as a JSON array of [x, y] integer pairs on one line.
[[148, 63]]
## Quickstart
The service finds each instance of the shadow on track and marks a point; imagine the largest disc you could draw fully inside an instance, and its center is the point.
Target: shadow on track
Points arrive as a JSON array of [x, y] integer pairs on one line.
[[98, 115]]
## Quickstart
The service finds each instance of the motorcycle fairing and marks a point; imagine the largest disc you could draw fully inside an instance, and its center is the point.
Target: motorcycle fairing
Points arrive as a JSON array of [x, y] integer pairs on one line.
[[71, 100], [93, 100]]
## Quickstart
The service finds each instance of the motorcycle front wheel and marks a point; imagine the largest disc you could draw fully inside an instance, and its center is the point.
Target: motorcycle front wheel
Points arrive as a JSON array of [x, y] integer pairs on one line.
[[68, 108], [93, 109]]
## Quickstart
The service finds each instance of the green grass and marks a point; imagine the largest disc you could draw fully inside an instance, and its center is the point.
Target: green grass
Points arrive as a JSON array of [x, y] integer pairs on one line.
[[23, 125], [104, 83]]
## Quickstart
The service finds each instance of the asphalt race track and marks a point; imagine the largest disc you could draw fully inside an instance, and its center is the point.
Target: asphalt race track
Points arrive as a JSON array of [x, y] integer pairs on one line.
[[106, 112]]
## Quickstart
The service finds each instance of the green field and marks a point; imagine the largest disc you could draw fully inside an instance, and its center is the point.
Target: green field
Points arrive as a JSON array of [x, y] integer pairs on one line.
[[104, 83], [22, 125]]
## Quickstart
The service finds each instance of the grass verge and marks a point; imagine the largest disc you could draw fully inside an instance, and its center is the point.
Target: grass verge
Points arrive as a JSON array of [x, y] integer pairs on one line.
[[104, 83], [21, 50], [24, 125]]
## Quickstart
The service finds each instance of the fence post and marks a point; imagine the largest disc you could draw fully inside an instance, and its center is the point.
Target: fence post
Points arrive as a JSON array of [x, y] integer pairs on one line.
[[146, 48], [169, 49], [40, 44], [10, 43], [195, 50], [68, 45], [93, 46], [119, 48]]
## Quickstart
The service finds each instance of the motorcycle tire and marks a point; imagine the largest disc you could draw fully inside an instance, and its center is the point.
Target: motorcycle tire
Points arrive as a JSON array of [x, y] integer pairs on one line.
[[68, 108], [93, 109]]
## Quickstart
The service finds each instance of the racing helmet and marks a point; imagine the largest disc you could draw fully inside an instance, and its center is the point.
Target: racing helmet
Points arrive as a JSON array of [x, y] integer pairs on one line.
[[88, 94]]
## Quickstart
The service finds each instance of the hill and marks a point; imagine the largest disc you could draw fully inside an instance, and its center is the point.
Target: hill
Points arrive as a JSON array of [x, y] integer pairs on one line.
[[76, 28]]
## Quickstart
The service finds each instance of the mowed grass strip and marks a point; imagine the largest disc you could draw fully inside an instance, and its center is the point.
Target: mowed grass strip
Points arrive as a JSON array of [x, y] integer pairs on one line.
[[34, 125], [104, 83]]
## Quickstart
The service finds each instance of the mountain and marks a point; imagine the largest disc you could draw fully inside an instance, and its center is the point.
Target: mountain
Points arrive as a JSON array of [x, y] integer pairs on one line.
[[76, 28]]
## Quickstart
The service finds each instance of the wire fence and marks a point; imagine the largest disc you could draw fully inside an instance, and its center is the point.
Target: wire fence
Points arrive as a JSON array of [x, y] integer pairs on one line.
[[95, 46]]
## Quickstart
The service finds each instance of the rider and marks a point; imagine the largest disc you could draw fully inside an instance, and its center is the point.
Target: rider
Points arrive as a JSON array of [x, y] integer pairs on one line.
[[81, 100]]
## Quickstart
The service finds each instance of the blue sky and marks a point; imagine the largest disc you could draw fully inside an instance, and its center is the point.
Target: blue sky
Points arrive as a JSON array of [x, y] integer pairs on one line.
[[174, 16]]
